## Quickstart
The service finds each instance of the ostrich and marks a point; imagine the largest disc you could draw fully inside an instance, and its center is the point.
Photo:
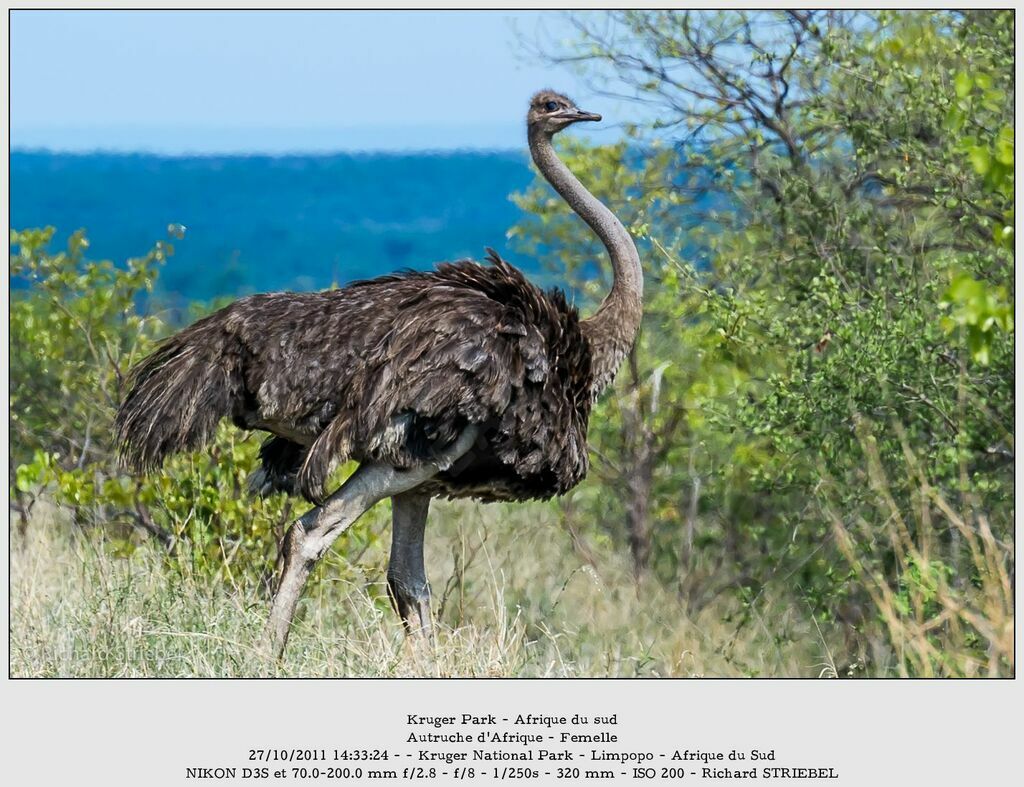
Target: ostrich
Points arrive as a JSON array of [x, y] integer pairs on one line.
[[464, 381]]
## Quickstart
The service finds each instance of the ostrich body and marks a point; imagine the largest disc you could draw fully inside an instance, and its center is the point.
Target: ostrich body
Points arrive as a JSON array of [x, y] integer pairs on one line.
[[464, 381]]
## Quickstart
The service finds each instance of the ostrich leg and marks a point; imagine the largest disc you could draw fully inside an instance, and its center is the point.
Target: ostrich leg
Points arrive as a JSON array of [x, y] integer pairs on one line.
[[311, 536], [407, 579]]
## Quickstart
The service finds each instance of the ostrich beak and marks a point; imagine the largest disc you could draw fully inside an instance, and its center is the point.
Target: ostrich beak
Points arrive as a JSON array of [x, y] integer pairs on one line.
[[578, 114]]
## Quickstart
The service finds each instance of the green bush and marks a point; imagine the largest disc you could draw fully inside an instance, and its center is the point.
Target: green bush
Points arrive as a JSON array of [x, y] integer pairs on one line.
[[76, 329]]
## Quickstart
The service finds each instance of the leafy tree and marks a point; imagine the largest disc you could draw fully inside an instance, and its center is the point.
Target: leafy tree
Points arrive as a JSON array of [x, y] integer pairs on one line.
[[849, 269]]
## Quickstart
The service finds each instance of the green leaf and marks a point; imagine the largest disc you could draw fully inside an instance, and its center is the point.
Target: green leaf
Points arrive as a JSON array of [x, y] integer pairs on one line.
[[963, 84], [1002, 234], [1004, 147], [981, 159]]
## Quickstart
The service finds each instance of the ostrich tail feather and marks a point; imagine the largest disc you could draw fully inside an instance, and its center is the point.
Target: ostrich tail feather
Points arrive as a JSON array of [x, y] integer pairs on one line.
[[176, 398]]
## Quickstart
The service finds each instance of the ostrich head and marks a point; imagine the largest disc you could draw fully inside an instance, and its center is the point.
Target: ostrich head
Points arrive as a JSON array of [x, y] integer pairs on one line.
[[550, 112]]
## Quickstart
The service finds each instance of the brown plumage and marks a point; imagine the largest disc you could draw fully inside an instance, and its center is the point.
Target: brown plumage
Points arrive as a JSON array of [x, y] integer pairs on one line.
[[464, 381], [385, 370]]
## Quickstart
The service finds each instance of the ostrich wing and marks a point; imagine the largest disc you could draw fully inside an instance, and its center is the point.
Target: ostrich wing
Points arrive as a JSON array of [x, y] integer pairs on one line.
[[471, 344]]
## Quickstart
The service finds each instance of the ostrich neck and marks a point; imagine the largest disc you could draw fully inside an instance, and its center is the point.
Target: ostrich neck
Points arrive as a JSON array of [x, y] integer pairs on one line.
[[611, 330]]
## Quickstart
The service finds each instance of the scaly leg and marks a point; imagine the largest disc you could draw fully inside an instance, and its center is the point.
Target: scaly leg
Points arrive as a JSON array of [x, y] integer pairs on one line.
[[407, 579], [311, 536]]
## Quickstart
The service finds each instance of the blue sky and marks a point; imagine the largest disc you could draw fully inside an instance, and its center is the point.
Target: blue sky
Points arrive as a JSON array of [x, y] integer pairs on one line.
[[278, 81]]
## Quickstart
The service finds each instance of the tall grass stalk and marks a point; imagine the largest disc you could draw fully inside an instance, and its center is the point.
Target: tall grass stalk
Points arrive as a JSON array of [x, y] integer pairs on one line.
[[946, 607]]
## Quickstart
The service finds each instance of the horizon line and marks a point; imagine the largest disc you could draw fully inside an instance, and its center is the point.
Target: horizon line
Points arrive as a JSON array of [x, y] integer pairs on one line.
[[197, 140]]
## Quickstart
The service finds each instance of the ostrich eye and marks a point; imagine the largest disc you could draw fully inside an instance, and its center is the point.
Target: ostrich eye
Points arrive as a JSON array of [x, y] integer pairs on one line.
[[551, 106]]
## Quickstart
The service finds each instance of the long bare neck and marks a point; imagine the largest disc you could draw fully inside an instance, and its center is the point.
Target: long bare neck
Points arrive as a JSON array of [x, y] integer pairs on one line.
[[612, 329]]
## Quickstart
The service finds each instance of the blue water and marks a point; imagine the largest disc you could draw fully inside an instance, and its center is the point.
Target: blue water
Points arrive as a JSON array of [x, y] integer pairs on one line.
[[259, 223]]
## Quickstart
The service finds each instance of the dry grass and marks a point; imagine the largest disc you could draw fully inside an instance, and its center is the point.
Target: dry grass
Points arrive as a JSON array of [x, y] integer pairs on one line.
[[946, 611], [515, 601]]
